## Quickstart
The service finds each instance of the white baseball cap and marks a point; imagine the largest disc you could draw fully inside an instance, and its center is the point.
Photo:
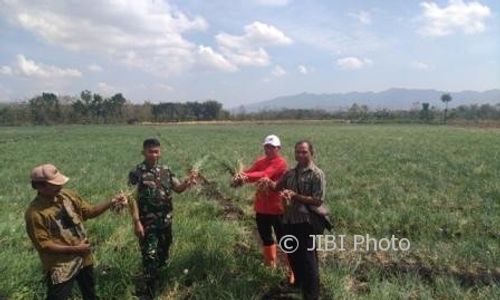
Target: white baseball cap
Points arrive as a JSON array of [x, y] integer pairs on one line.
[[272, 140]]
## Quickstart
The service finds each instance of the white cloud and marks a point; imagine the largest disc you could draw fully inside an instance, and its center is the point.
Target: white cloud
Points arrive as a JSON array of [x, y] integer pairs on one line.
[[363, 17], [29, 68], [278, 71], [6, 70], [247, 57], [273, 2], [353, 63], [141, 34], [468, 18], [213, 60], [95, 68], [248, 49], [256, 34], [146, 35], [106, 89], [420, 65], [265, 35], [303, 69]]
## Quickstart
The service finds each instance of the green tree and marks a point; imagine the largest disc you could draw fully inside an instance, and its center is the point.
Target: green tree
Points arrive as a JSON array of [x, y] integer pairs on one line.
[[425, 112], [45, 109], [357, 112], [97, 108], [15, 114], [212, 110], [445, 98], [81, 107], [113, 108]]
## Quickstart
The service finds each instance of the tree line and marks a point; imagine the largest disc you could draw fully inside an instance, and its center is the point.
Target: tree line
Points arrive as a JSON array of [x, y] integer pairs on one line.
[[361, 113], [92, 108]]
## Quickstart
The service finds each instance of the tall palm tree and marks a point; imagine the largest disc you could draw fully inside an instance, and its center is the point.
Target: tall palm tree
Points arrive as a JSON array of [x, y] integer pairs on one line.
[[446, 98]]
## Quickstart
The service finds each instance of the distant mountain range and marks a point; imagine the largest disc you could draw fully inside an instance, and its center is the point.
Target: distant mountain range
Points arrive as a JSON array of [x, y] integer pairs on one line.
[[393, 99]]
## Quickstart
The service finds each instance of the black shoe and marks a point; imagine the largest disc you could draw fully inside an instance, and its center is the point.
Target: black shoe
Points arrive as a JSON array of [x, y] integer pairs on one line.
[[151, 288], [145, 297], [162, 264]]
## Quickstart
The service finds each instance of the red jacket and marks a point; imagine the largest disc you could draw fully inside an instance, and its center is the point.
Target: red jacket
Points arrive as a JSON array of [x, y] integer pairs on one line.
[[268, 202]]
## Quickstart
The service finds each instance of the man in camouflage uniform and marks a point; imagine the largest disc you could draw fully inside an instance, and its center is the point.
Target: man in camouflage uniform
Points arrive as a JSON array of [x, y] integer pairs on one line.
[[152, 212]]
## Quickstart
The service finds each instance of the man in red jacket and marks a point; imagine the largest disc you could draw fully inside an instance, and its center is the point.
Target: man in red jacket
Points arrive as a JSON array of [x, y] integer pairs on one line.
[[268, 205]]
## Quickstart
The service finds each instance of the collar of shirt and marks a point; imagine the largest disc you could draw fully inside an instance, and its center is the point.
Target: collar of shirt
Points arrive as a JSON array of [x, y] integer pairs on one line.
[[55, 199], [309, 167], [272, 158], [145, 166]]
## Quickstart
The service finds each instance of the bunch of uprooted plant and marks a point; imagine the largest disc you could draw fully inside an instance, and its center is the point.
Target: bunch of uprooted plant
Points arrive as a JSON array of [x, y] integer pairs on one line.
[[209, 189]]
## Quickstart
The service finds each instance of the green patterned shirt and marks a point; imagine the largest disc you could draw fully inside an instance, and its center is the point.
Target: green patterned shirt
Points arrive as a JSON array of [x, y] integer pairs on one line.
[[154, 193]]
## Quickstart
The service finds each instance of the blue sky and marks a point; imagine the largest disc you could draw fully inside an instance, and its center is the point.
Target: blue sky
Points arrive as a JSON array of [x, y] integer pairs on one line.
[[245, 51]]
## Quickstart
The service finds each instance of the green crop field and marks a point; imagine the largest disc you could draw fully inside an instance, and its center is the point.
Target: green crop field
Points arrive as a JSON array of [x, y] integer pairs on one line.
[[439, 187]]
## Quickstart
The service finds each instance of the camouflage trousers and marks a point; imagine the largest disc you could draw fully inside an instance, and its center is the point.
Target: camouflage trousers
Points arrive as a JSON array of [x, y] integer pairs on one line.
[[154, 250]]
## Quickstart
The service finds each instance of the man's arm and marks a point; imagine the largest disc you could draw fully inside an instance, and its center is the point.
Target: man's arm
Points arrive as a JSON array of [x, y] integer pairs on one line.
[[269, 171], [133, 181], [240, 178], [318, 192], [133, 209], [180, 187], [80, 249], [96, 210], [275, 186], [308, 200], [89, 211], [253, 167], [136, 221]]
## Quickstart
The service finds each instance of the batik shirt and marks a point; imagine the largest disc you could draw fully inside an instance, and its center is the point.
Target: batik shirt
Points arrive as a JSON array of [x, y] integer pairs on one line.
[[60, 221]]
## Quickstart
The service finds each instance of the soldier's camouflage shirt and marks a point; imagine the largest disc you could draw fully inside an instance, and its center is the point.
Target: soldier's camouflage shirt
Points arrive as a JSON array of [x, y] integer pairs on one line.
[[154, 194]]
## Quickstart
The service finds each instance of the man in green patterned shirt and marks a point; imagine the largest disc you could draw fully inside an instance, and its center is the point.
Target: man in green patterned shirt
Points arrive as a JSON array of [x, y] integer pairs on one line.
[[152, 210]]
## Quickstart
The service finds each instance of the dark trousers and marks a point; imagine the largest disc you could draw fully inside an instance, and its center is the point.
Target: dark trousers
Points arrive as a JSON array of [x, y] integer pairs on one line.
[[85, 280], [265, 225], [304, 263], [155, 250]]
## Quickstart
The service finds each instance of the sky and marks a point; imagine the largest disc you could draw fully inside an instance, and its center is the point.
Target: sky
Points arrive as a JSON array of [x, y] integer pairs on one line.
[[245, 51]]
